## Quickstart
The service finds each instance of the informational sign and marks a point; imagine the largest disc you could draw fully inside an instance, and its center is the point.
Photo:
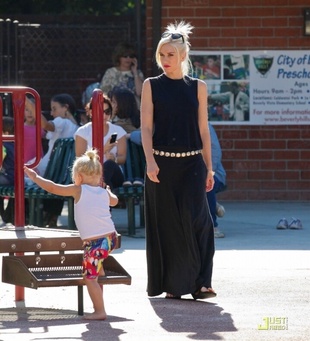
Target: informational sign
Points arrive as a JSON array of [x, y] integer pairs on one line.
[[255, 87]]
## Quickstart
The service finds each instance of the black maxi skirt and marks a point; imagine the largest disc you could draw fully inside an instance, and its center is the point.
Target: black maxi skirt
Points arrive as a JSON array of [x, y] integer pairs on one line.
[[179, 228]]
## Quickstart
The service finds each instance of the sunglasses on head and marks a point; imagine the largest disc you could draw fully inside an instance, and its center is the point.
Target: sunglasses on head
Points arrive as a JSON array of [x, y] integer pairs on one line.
[[174, 36]]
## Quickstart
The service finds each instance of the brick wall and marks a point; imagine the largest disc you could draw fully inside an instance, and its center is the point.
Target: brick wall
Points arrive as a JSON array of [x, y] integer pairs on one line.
[[266, 162], [262, 162]]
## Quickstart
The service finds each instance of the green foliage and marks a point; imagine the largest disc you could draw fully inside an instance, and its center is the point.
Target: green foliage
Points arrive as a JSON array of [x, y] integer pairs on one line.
[[69, 7]]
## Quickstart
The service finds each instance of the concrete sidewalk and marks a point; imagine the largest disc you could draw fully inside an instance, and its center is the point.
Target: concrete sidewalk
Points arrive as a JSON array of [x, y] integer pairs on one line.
[[261, 276]]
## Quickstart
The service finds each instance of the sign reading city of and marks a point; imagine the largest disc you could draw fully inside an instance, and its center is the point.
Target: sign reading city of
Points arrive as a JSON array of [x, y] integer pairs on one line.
[[255, 87]]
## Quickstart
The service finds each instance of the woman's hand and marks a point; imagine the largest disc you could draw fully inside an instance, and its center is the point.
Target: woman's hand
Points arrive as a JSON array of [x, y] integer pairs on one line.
[[152, 171], [210, 181], [134, 66], [110, 156], [108, 146]]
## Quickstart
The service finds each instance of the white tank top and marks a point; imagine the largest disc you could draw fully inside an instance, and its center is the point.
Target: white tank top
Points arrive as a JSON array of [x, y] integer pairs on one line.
[[92, 213]]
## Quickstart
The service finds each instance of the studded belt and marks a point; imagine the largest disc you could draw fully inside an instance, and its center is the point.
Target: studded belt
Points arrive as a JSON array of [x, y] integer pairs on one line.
[[178, 154]]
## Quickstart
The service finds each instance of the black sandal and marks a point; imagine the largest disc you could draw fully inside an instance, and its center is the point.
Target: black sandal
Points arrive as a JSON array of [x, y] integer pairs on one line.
[[202, 295]]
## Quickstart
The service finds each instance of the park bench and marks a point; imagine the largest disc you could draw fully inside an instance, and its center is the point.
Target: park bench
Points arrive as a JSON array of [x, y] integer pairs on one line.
[[42, 257], [59, 171], [134, 168]]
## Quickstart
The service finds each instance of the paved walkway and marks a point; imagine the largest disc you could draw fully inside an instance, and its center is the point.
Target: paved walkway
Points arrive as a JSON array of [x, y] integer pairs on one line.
[[261, 276]]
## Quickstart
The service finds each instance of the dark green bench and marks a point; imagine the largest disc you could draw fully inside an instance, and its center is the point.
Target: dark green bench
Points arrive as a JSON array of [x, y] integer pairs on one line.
[[59, 171], [134, 168]]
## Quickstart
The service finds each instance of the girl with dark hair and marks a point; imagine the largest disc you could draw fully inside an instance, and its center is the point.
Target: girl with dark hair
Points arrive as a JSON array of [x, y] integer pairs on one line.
[[125, 110], [64, 124]]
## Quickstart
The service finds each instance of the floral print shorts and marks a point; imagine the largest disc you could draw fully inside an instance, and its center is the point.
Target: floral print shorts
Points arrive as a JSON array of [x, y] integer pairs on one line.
[[95, 252]]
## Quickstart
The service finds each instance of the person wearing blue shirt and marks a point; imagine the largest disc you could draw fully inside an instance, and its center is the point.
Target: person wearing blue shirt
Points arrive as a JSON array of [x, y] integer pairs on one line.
[[219, 179]]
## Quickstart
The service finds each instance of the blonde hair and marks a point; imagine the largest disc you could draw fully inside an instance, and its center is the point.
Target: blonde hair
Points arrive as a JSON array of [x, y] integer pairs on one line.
[[88, 164], [181, 45]]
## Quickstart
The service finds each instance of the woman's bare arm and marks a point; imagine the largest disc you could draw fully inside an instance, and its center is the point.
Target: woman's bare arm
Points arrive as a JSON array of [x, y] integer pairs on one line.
[[204, 132], [80, 145], [47, 125], [147, 109]]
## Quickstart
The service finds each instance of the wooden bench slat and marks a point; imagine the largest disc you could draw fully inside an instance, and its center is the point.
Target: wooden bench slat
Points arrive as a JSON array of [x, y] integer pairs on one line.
[[15, 271]]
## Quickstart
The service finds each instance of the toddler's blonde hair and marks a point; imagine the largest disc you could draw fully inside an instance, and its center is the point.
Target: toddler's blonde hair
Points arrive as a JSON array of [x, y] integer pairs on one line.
[[88, 164]]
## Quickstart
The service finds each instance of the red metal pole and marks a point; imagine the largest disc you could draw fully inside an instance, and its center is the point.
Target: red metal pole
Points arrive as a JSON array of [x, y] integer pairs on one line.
[[97, 121], [18, 96], [19, 113]]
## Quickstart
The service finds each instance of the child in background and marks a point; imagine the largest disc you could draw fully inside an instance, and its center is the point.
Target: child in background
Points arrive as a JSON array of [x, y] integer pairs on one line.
[[212, 69], [30, 142], [92, 218]]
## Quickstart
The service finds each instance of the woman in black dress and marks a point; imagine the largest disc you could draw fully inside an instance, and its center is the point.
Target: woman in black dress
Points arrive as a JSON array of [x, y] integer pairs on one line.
[[177, 146]]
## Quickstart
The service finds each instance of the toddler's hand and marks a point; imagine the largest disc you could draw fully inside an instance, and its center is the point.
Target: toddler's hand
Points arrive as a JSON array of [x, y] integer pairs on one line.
[[30, 173]]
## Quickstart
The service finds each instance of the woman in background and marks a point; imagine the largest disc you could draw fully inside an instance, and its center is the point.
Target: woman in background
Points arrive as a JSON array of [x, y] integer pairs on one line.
[[125, 110], [125, 73], [114, 152]]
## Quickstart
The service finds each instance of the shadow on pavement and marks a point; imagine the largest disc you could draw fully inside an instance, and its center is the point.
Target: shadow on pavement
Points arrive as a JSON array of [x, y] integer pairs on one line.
[[39, 322], [202, 320]]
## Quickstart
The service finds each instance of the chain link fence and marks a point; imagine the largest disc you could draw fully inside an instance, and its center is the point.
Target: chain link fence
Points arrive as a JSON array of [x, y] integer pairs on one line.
[[54, 58]]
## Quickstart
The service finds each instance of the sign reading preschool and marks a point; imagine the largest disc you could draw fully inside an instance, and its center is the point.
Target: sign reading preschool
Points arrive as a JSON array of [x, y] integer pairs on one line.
[[256, 87]]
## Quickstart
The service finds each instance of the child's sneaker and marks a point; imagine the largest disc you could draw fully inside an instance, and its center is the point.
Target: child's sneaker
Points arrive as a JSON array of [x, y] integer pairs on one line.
[[282, 224], [295, 224]]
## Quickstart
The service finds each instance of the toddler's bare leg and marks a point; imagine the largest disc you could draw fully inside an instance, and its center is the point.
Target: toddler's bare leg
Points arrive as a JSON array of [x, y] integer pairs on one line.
[[96, 295], [101, 273]]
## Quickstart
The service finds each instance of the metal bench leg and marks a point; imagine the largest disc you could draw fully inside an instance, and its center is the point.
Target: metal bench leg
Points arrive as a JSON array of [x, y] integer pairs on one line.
[[39, 212], [71, 222], [80, 300], [32, 211], [131, 216], [141, 208]]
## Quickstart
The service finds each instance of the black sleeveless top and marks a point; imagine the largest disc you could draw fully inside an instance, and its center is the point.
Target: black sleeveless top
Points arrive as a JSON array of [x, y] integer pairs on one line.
[[175, 114]]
